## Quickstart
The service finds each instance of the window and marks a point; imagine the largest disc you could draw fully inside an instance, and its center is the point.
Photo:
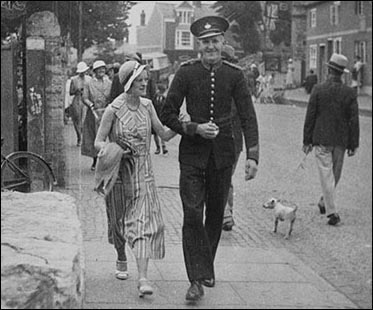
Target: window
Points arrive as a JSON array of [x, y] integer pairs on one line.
[[334, 13], [185, 17], [361, 50], [183, 40], [313, 18], [359, 7], [337, 45], [313, 56]]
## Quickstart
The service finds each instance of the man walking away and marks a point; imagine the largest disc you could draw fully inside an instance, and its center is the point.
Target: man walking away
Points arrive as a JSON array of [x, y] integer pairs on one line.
[[331, 126]]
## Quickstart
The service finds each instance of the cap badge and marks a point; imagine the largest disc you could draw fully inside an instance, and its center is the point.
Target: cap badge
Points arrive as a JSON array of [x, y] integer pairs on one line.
[[207, 26]]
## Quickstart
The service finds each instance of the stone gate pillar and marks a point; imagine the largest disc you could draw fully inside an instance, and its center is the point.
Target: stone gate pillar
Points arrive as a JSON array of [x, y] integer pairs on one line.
[[45, 91]]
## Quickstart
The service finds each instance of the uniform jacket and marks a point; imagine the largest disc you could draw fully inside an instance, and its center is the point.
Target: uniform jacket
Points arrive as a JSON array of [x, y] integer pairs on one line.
[[209, 93], [332, 117]]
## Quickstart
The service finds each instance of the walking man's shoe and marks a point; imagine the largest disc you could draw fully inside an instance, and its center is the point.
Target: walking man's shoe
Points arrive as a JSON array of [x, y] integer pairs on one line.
[[195, 291], [321, 206], [208, 282], [165, 151], [158, 150], [334, 219]]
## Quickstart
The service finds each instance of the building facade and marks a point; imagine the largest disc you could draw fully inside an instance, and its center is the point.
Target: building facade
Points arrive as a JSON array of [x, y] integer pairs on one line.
[[339, 27], [168, 30]]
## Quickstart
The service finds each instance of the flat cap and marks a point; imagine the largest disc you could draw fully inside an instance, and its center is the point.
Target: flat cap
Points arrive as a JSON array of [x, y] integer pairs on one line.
[[209, 26]]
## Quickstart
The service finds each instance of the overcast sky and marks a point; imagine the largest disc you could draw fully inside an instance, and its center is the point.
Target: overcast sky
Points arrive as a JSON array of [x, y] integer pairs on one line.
[[147, 6]]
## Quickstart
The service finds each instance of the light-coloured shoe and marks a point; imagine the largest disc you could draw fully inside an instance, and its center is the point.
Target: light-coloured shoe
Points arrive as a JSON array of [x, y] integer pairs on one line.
[[144, 287], [121, 272]]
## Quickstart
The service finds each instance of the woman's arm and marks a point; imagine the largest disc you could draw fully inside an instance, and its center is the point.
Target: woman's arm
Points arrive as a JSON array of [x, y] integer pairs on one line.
[[104, 128], [164, 132], [86, 99]]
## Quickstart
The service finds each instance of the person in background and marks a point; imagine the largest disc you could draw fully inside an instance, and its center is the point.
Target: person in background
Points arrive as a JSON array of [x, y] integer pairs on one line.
[[207, 150], [270, 87], [289, 83], [356, 74], [116, 67], [95, 97], [310, 81], [158, 102], [68, 98], [110, 72], [251, 82], [76, 110], [331, 127]]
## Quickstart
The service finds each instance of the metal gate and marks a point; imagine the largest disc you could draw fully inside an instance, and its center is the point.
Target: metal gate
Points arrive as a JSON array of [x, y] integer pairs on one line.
[[9, 99]]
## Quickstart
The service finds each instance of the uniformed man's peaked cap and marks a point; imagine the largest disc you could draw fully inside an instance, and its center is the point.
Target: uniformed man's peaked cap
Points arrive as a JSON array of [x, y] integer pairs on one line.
[[209, 26]]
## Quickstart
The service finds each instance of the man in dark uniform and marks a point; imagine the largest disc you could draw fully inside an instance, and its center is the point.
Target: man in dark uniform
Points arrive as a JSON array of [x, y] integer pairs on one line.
[[207, 150], [331, 126]]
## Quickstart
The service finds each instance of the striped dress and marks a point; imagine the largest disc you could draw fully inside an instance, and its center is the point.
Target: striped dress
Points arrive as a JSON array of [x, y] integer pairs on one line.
[[137, 219]]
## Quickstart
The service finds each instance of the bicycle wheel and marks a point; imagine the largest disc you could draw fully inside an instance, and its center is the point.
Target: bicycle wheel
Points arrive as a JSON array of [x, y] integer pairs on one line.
[[26, 172]]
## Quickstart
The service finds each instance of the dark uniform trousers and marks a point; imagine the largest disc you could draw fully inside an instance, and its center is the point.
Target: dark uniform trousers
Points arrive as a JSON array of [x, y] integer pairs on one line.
[[200, 238]]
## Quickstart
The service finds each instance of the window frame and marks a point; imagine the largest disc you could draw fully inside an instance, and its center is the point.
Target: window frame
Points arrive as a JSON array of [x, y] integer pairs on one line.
[[337, 42], [360, 49], [313, 18], [334, 13], [179, 40], [313, 56], [359, 8]]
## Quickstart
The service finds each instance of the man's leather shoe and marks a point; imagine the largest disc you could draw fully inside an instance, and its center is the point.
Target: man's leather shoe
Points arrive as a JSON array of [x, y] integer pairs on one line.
[[228, 226], [208, 282], [195, 291], [334, 219]]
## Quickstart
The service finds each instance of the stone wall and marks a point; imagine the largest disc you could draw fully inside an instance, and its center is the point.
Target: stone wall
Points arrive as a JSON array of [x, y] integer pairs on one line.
[[43, 27], [41, 252]]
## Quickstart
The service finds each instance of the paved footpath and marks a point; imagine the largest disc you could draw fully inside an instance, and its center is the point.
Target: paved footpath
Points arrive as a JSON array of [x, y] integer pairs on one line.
[[252, 270]]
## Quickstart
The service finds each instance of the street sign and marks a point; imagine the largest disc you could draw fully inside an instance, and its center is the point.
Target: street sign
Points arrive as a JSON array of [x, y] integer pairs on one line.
[[13, 9]]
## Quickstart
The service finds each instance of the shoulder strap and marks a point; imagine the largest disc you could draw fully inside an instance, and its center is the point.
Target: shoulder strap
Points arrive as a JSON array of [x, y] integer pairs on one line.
[[232, 65], [190, 62]]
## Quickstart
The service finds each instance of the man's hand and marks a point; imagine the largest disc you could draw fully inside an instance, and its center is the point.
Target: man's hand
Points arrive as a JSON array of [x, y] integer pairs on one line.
[[208, 130], [250, 169], [351, 152], [307, 148]]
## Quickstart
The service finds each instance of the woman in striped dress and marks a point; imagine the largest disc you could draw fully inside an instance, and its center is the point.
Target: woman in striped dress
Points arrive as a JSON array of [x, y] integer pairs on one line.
[[133, 207]]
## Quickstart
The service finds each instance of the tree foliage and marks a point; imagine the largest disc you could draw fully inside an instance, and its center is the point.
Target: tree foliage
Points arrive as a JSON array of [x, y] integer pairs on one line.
[[101, 19], [247, 15]]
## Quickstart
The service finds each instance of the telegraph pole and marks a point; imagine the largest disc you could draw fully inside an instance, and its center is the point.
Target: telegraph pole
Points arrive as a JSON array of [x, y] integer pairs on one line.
[[80, 27]]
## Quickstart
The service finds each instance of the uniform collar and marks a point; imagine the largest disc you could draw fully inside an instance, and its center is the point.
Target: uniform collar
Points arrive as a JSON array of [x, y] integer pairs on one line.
[[213, 67]]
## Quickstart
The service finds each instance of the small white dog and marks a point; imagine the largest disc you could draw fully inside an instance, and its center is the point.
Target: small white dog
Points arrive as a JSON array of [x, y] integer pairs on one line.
[[282, 213]]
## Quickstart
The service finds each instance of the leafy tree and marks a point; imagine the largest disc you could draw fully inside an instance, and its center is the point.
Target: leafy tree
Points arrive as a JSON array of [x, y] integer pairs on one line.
[[101, 19], [247, 15]]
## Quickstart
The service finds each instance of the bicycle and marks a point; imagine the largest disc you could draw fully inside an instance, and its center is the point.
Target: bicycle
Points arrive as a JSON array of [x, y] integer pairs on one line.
[[26, 172]]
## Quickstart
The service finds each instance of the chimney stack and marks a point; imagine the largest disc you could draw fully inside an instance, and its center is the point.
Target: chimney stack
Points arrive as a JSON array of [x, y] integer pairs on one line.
[[142, 18]]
